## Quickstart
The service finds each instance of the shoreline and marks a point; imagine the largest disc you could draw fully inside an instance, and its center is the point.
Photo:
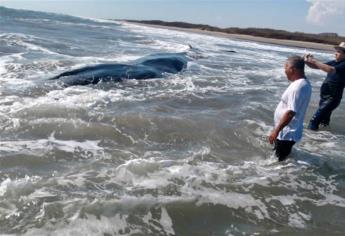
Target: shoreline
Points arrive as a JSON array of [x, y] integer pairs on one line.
[[242, 37]]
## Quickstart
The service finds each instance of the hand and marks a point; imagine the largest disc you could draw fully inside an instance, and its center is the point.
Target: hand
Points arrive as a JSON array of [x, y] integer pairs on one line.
[[308, 57], [273, 136]]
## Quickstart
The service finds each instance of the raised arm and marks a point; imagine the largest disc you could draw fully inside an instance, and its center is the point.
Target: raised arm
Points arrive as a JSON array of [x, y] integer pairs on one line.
[[315, 64], [311, 65]]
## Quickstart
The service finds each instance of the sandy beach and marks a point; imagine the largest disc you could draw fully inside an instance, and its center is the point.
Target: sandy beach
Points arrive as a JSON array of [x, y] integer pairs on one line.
[[291, 43]]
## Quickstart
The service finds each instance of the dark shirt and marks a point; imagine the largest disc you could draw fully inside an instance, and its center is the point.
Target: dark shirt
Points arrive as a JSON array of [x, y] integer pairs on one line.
[[333, 85]]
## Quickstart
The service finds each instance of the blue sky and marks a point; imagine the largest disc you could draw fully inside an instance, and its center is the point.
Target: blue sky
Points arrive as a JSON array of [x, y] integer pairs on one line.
[[315, 16]]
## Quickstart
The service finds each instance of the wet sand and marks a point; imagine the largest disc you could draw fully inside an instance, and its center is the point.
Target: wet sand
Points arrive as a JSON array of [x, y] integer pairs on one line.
[[290, 43]]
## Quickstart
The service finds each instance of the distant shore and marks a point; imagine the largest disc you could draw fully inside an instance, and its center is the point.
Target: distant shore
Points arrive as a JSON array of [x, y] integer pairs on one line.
[[283, 42]]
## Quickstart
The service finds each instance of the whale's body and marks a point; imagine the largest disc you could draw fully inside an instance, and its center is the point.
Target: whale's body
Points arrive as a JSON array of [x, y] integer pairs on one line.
[[153, 66]]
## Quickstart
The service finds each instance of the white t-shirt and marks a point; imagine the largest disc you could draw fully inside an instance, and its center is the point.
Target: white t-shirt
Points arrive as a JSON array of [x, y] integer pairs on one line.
[[295, 98]]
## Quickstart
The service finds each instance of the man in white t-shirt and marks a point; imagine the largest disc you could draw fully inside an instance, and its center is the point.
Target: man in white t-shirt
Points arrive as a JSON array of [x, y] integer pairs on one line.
[[290, 112]]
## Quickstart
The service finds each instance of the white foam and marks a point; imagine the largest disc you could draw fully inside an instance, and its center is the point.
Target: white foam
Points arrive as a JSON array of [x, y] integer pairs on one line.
[[193, 190], [5, 60], [298, 220], [166, 222], [3, 186], [91, 225], [25, 41], [98, 20], [19, 187], [42, 146]]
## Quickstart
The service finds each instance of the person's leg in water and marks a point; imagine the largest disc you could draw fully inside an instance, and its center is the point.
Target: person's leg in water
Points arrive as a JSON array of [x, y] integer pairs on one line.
[[326, 119], [283, 148], [323, 113], [327, 116]]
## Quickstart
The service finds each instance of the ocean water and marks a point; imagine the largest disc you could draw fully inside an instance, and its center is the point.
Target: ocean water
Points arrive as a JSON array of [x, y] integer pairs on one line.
[[184, 155]]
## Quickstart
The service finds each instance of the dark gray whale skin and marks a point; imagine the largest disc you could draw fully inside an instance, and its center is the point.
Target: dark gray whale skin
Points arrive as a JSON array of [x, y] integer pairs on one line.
[[153, 66]]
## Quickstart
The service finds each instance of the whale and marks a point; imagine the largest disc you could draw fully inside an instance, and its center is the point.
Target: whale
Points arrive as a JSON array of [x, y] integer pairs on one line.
[[149, 67]]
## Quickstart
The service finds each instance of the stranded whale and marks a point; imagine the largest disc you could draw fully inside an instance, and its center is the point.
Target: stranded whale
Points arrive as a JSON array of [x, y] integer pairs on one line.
[[153, 66]]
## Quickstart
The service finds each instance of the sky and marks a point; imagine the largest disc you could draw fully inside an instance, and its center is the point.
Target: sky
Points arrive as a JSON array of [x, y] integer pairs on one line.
[[310, 16]]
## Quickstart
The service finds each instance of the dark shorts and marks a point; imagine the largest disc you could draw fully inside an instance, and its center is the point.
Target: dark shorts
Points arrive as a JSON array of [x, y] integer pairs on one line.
[[283, 148]]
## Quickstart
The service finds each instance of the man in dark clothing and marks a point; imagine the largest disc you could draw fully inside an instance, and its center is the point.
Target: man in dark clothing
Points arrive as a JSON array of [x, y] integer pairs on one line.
[[332, 87]]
